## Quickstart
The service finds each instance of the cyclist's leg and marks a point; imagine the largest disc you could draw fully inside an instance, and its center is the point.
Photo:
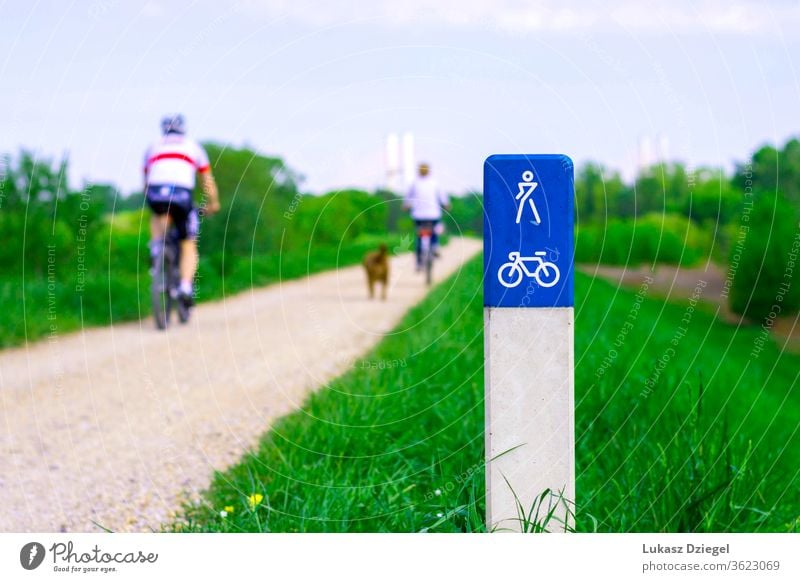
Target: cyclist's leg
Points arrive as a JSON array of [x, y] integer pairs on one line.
[[434, 238], [418, 243], [158, 227], [187, 224], [159, 223], [189, 260]]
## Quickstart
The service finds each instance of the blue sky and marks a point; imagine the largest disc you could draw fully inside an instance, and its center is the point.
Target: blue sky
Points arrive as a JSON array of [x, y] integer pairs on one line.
[[321, 84]]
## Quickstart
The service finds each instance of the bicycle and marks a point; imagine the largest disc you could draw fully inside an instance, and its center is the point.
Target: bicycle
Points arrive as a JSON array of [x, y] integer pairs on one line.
[[425, 234], [166, 281], [510, 273]]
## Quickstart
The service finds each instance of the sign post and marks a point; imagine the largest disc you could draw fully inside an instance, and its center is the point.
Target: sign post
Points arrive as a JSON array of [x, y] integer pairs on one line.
[[528, 351]]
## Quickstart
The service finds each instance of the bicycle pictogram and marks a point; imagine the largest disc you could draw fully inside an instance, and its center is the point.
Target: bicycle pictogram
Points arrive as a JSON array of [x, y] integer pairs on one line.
[[510, 274]]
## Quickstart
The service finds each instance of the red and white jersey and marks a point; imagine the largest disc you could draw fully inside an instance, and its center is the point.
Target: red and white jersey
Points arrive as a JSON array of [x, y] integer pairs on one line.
[[174, 160]]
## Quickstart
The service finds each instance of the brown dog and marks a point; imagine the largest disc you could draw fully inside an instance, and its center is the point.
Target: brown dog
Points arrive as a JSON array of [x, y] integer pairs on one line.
[[377, 265]]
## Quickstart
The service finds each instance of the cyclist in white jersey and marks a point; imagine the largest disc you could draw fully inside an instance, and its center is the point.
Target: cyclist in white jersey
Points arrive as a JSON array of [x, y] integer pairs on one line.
[[171, 166], [426, 200]]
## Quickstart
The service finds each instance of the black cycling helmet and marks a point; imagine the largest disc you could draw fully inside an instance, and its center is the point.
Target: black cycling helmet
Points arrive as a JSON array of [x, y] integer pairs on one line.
[[173, 124]]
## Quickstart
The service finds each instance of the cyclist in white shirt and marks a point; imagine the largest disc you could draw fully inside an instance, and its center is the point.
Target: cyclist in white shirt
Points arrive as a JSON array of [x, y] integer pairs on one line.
[[170, 169], [426, 200]]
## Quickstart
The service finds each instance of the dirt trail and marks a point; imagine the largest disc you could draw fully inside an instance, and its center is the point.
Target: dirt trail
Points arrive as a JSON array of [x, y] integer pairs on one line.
[[679, 283], [116, 426]]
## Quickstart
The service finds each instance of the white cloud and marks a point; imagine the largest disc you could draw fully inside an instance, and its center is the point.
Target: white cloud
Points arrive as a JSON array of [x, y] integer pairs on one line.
[[737, 17], [153, 10], [521, 16]]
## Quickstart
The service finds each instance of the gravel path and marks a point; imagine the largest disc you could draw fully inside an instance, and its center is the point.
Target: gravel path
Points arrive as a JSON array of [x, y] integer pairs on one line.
[[679, 283], [115, 427]]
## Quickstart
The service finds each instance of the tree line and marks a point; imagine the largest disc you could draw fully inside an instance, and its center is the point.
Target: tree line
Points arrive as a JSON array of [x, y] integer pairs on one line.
[[746, 221], [94, 237]]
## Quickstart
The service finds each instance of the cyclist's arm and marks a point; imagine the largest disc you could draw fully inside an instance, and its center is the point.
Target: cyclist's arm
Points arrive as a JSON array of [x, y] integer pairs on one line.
[[207, 182], [209, 186], [146, 167], [409, 197], [444, 199]]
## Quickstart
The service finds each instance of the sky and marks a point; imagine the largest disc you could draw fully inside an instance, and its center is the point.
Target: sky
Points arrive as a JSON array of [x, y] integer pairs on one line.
[[322, 83]]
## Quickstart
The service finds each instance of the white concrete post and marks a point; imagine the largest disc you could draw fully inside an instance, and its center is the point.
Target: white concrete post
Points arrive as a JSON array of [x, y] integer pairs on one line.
[[529, 353]]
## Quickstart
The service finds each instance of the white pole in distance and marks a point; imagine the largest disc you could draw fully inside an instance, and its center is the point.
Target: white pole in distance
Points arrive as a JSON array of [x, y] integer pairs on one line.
[[409, 163], [393, 163], [529, 349]]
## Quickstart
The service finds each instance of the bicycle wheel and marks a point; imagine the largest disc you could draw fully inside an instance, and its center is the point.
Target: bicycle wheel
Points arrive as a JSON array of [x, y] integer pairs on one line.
[[175, 281], [160, 289], [183, 310], [427, 258], [429, 267], [547, 274], [509, 275]]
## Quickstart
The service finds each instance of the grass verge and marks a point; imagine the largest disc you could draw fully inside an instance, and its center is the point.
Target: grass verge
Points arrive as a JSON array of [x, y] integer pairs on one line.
[[72, 295], [394, 445], [678, 428]]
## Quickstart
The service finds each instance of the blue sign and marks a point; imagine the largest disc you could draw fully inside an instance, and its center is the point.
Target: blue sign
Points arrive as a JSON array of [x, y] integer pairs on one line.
[[528, 247]]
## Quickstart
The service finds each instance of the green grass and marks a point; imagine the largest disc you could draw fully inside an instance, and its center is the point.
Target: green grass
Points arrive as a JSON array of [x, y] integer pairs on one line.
[[711, 444], [712, 447], [116, 287], [394, 445]]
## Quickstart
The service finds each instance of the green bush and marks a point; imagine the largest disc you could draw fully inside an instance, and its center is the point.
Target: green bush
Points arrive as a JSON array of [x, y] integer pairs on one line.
[[68, 262], [654, 238], [336, 217], [763, 261], [465, 215], [254, 191]]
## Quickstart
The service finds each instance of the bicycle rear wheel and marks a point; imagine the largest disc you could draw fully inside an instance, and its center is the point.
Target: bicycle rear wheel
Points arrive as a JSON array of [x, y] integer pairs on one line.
[[425, 238], [183, 311], [160, 292], [427, 260], [162, 305], [181, 308], [429, 268]]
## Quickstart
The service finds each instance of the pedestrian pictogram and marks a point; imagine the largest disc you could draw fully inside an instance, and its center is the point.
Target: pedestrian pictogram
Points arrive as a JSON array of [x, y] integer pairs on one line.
[[525, 195]]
